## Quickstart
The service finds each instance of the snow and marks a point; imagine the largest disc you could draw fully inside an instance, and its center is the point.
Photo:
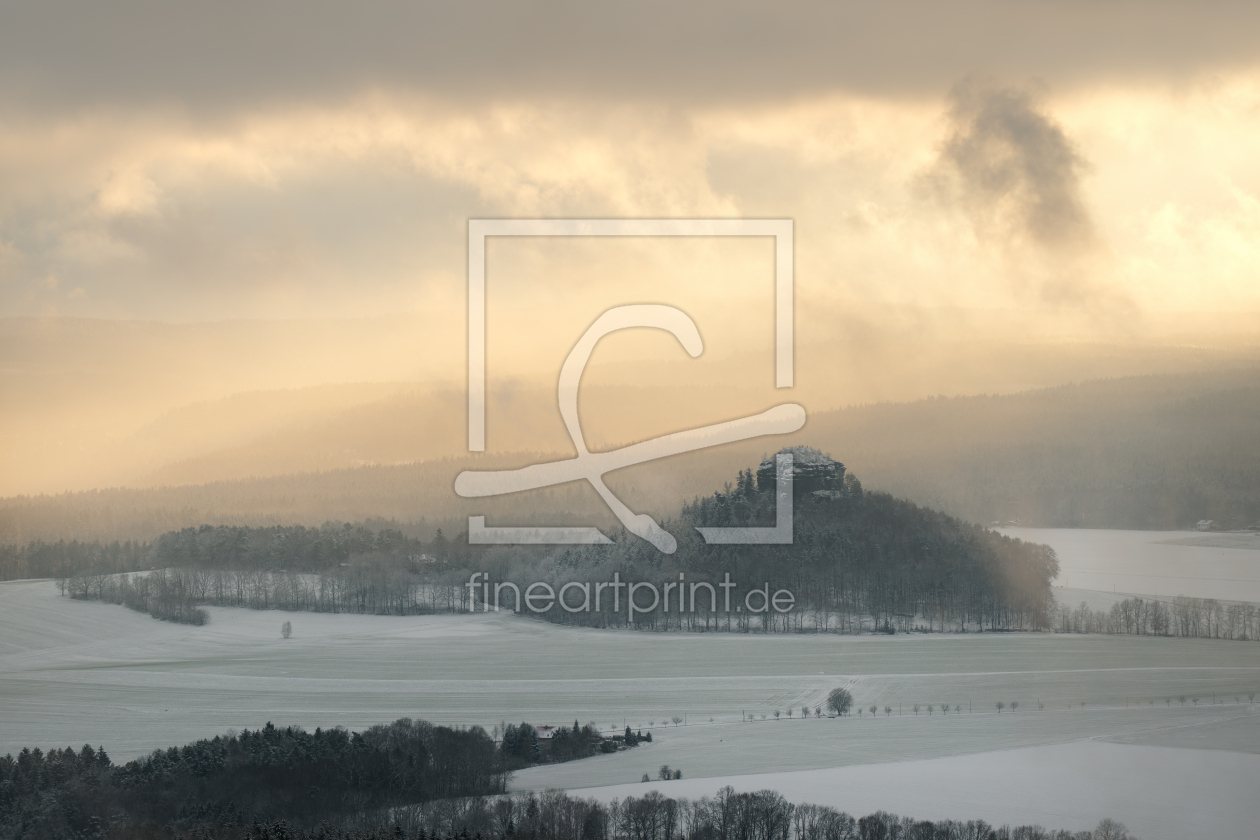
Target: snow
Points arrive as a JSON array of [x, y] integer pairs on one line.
[[1158, 792], [1237, 734], [75, 672], [786, 745]]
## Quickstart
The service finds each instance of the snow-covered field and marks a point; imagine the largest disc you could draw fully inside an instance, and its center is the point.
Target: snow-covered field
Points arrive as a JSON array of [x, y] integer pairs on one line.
[[1159, 793], [74, 672]]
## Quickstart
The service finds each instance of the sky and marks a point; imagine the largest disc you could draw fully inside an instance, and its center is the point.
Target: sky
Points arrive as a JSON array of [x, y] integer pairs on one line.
[[304, 160], [245, 197]]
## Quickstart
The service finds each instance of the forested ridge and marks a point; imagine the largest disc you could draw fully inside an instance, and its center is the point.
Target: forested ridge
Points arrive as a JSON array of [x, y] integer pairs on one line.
[[1156, 452], [407, 779], [272, 773], [65, 558], [229, 547], [1149, 452]]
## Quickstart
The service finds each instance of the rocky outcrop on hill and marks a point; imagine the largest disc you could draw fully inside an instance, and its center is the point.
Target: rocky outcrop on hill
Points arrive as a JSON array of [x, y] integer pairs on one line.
[[812, 471]]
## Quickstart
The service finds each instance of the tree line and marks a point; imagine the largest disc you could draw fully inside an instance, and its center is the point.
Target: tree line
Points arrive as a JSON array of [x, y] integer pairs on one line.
[[859, 562], [163, 593], [522, 745], [177, 594], [866, 563], [727, 815], [64, 558], [290, 547], [1199, 618], [408, 779], [272, 773]]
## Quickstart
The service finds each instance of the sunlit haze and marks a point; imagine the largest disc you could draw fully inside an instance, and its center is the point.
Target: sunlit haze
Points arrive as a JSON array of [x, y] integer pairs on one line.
[[169, 187]]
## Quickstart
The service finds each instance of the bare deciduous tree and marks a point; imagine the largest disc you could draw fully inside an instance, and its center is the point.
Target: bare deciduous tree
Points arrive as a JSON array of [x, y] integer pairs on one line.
[[286, 629], [1109, 829], [840, 701]]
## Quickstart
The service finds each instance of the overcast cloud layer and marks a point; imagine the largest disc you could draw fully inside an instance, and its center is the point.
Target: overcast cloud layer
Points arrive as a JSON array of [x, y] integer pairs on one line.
[[283, 159], [235, 54]]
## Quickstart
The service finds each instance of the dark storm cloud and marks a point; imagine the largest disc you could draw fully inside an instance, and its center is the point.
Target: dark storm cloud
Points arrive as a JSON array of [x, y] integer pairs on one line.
[[1014, 170], [228, 54], [1014, 173]]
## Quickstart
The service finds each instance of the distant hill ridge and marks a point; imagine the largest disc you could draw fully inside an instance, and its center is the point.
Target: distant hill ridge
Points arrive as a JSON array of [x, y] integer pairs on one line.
[[1146, 452]]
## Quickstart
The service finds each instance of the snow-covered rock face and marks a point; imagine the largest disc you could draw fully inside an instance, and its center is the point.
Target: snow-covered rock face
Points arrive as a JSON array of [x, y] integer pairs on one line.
[[811, 471]]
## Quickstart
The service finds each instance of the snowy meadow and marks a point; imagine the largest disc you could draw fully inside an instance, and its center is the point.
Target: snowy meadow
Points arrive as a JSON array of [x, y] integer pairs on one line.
[[74, 672]]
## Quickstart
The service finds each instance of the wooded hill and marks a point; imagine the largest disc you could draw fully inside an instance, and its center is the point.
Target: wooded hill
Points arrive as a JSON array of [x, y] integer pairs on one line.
[[859, 561], [271, 773]]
